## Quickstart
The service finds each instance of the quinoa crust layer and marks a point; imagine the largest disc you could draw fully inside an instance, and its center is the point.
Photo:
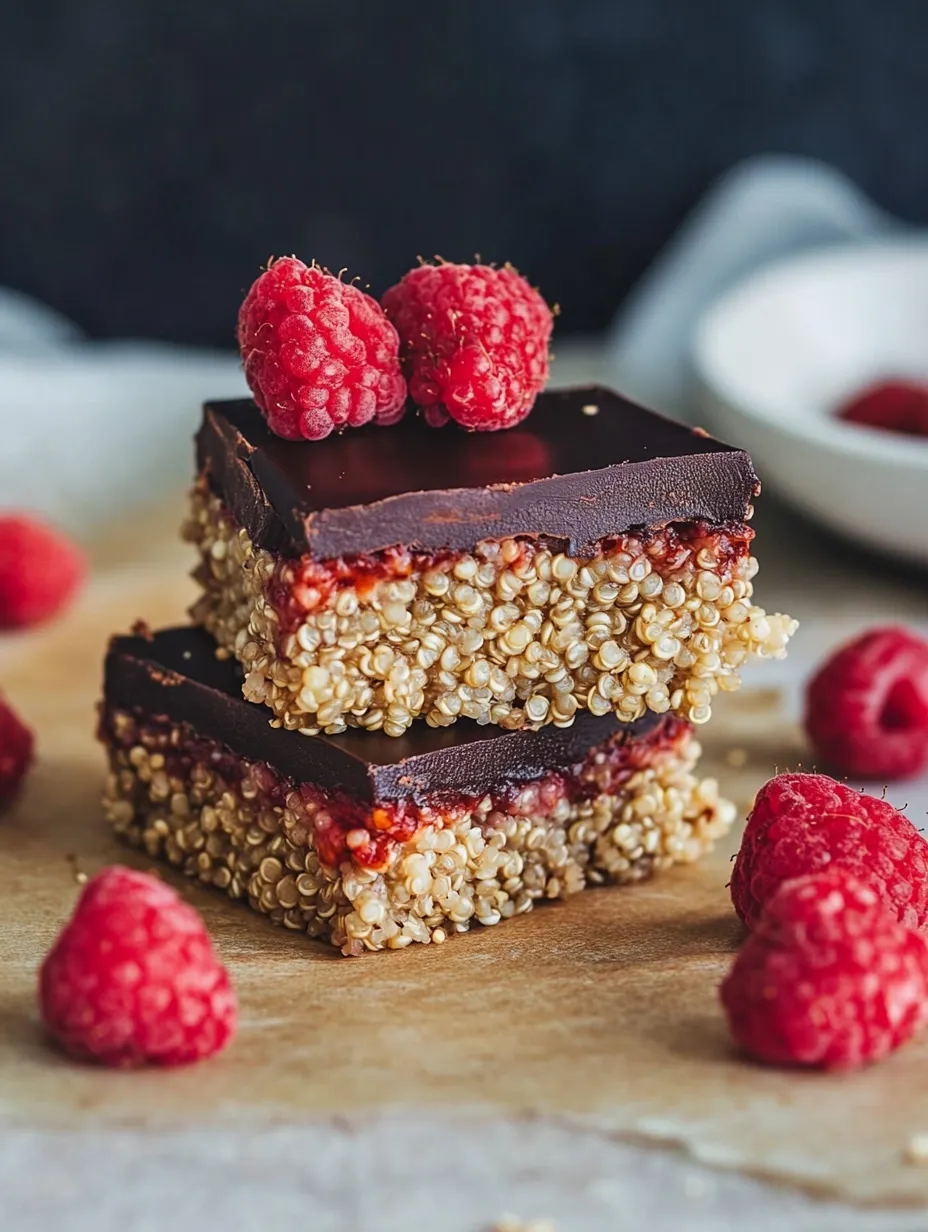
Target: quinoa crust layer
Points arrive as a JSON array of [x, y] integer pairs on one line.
[[240, 827], [510, 634]]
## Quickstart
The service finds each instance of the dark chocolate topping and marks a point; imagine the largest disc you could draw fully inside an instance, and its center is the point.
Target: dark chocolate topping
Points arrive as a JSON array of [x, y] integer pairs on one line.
[[564, 475], [175, 674]]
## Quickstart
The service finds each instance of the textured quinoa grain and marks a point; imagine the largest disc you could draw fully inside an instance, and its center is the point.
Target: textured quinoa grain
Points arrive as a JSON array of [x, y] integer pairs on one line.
[[315, 864], [512, 634]]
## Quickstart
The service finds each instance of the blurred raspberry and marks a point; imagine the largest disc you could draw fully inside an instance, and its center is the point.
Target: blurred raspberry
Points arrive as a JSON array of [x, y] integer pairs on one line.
[[867, 706], [16, 748], [40, 571], [806, 823], [830, 978], [319, 354], [894, 406], [474, 341], [133, 980]]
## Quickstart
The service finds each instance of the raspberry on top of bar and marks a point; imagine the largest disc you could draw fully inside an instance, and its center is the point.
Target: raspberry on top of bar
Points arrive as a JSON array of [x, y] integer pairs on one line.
[[596, 557], [373, 842]]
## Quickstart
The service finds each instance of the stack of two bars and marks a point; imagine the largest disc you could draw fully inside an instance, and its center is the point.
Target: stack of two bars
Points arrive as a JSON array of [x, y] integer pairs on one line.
[[440, 675]]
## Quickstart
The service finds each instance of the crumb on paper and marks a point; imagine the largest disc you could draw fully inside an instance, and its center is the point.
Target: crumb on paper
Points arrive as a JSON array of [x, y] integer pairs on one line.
[[590, 409], [78, 873], [916, 1151], [736, 758]]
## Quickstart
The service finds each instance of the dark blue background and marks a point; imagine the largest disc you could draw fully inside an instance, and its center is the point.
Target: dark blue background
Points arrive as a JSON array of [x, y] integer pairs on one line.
[[153, 154]]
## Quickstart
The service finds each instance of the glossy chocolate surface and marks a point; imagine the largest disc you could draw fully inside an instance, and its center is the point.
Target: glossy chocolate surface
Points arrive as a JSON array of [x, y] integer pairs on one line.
[[175, 674], [564, 475]]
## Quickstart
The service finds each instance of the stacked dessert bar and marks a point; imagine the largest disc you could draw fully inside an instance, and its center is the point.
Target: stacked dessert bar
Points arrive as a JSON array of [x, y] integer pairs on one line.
[[436, 675]]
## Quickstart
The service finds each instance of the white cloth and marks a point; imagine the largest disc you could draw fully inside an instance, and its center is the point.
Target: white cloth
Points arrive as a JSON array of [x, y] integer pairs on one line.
[[88, 429]]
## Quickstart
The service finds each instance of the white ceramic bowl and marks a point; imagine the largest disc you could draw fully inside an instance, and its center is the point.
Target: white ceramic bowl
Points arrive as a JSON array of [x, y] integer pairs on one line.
[[776, 355]]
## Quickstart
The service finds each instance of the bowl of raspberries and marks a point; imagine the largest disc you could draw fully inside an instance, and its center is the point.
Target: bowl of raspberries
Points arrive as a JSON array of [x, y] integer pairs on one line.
[[818, 365]]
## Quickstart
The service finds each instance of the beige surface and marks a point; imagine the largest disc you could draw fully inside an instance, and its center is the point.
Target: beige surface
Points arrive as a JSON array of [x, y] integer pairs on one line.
[[604, 1007]]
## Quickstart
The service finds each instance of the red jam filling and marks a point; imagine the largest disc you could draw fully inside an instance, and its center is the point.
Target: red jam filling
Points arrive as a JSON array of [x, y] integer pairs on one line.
[[341, 828], [301, 586]]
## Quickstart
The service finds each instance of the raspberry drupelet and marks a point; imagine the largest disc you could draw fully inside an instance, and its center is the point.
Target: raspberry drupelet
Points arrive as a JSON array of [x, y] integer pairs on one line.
[[319, 354], [474, 341]]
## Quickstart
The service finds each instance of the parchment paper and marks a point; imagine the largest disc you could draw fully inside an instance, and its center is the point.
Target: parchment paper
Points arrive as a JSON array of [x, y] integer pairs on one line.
[[601, 1011]]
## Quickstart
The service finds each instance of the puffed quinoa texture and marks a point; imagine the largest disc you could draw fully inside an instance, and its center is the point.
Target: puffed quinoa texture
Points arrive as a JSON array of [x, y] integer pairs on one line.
[[251, 834], [511, 634]]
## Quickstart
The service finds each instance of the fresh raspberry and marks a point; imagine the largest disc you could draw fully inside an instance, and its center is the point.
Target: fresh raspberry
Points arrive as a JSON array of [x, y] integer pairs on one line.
[[40, 571], [829, 979], [894, 406], [132, 978], [805, 823], [867, 706], [319, 354], [474, 341], [16, 746]]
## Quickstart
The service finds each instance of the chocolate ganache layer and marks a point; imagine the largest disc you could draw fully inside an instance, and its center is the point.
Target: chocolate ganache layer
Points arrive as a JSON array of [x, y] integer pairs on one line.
[[175, 674], [587, 463]]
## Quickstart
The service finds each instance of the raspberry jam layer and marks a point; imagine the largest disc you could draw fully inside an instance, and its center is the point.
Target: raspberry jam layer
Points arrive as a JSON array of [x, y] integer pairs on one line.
[[302, 586], [340, 827]]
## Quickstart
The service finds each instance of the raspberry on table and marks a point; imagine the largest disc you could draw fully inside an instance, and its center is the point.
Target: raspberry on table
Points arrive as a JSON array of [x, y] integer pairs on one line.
[[16, 750], [40, 571], [319, 354], [806, 823], [133, 980], [867, 706], [474, 342], [829, 979]]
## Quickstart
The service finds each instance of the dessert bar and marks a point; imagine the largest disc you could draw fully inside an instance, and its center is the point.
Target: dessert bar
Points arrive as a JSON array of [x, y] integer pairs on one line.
[[595, 558], [377, 842]]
